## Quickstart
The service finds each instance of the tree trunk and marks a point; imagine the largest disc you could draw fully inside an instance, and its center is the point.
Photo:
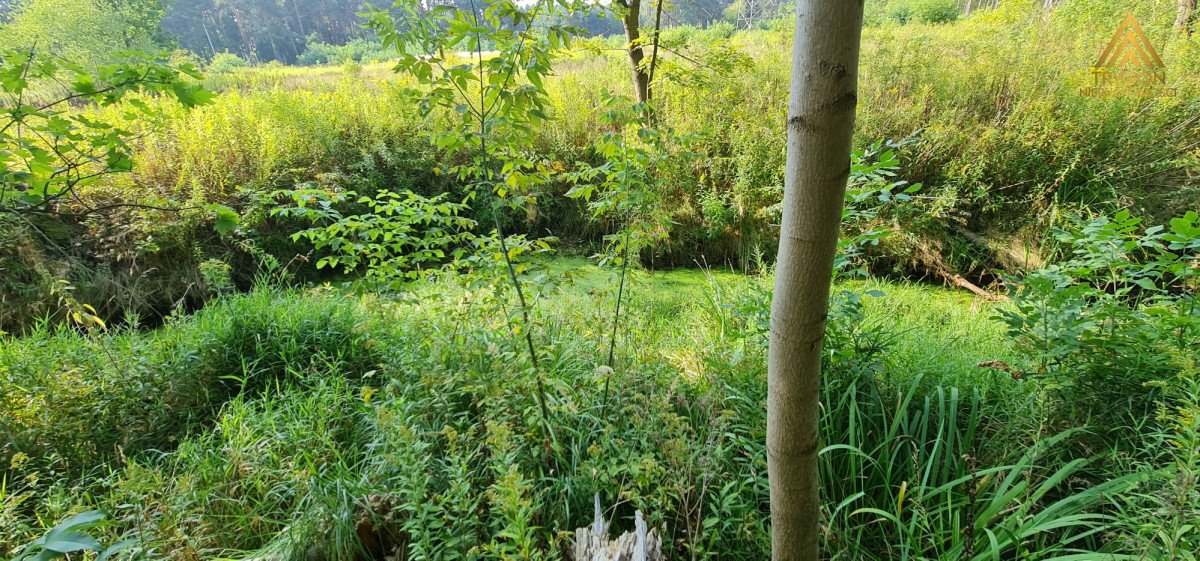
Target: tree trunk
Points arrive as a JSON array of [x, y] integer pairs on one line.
[[820, 124], [630, 21], [1183, 18], [658, 10]]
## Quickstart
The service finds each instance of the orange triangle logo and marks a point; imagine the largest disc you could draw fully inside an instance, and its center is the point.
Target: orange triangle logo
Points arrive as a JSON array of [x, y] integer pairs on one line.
[[1130, 49], [1128, 64]]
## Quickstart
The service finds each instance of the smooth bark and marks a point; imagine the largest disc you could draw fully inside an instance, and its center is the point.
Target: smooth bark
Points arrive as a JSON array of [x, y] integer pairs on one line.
[[820, 124]]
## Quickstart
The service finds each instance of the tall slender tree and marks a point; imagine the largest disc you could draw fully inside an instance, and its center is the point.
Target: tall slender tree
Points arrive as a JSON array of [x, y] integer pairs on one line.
[[824, 95], [631, 13], [1185, 16]]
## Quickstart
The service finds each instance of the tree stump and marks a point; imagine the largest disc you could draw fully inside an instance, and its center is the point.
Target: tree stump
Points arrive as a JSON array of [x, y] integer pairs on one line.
[[592, 543]]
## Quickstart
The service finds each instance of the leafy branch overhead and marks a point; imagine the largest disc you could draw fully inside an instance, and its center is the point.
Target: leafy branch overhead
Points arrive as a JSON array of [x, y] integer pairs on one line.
[[49, 149]]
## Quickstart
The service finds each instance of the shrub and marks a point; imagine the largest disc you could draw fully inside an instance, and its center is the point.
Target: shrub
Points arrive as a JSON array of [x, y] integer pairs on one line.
[[441, 448], [934, 11], [900, 11], [352, 68], [359, 50], [1006, 149], [225, 62], [73, 402], [1101, 329], [1159, 517]]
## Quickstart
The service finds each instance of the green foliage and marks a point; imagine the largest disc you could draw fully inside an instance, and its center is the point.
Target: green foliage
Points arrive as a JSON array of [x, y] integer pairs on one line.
[[142, 21], [934, 11], [125, 394], [901, 12], [86, 32], [1105, 325], [1007, 149], [872, 189], [70, 536], [357, 50], [628, 189], [51, 151], [497, 100], [290, 425], [352, 68], [413, 424], [1160, 516], [224, 62], [397, 236]]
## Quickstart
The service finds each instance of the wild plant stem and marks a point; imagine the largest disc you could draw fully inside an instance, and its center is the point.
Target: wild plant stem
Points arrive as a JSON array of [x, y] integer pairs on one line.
[[512, 271], [612, 340]]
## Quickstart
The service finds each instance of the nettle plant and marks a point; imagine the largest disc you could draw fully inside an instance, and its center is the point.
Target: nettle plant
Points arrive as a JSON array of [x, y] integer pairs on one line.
[[627, 190], [1107, 325]]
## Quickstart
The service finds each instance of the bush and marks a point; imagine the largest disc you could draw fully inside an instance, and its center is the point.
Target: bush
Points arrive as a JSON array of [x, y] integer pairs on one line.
[[352, 68], [900, 11], [358, 50], [74, 402], [225, 62], [439, 445], [1102, 331], [1003, 154], [934, 11], [1159, 517]]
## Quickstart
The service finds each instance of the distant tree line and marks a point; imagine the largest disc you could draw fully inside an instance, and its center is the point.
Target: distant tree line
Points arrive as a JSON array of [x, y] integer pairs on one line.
[[312, 31], [256, 31], [264, 30]]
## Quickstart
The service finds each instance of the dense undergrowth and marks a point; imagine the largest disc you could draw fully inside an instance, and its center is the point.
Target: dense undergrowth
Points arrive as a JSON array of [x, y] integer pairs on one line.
[[323, 425], [224, 394], [1007, 148], [433, 418]]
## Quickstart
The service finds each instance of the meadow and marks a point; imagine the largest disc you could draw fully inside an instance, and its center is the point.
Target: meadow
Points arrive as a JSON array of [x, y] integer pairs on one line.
[[218, 368], [1007, 151]]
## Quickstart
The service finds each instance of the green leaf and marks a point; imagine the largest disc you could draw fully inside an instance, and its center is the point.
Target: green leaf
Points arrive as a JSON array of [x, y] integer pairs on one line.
[[71, 540], [114, 548], [87, 518], [225, 218]]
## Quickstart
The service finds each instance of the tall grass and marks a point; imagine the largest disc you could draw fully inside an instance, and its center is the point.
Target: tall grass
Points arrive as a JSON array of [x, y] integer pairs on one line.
[[321, 427], [74, 402]]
